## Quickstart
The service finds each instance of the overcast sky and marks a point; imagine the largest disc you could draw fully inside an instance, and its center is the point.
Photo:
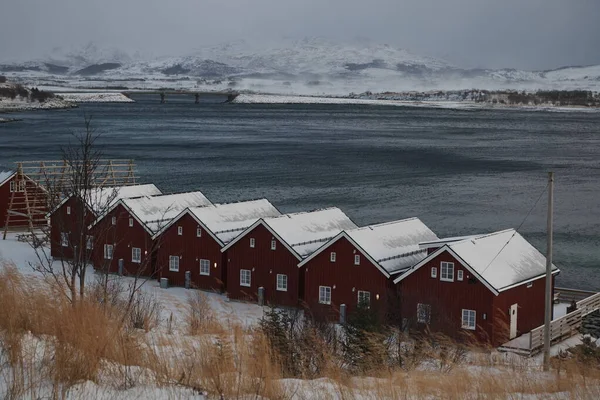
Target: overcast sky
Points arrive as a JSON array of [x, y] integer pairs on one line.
[[528, 34]]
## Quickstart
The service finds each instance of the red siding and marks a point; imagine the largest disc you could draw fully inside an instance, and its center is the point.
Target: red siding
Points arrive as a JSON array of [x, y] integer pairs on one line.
[[124, 238], [265, 264], [345, 280], [60, 222], [37, 198], [190, 249], [447, 300]]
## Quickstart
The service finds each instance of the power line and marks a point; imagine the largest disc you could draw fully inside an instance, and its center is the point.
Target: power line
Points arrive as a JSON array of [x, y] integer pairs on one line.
[[518, 228]]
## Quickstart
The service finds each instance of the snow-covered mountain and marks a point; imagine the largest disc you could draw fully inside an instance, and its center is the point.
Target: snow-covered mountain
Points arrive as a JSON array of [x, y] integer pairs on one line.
[[308, 66]]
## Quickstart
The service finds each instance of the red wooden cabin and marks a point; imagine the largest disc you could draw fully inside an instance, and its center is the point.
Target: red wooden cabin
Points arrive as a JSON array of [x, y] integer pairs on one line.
[[193, 240], [124, 233], [356, 266], [73, 212], [267, 254], [36, 198], [489, 288]]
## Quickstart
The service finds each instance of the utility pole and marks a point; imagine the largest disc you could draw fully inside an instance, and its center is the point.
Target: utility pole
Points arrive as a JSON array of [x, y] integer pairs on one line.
[[548, 310]]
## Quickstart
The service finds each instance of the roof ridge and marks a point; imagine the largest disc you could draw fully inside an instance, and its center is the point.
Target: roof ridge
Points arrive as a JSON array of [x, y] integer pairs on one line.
[[290, 215], [382, 224], [486, 235]]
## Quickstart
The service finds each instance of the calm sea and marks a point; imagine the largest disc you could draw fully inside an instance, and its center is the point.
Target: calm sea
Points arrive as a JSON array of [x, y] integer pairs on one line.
[[461, 172]]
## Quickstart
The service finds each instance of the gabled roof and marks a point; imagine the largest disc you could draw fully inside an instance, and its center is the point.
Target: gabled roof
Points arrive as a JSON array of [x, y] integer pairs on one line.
[[440, 242], [501, 260], [5, 176], [153, 212], [225, 221], [391, 246], [303, 233], [102, 198]]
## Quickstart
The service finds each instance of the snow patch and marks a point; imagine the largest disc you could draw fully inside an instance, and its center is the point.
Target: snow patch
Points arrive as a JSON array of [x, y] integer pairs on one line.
[[96, 97]]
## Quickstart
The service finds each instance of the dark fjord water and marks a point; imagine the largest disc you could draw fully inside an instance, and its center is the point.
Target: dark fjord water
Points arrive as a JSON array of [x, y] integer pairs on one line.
[[461, 172]]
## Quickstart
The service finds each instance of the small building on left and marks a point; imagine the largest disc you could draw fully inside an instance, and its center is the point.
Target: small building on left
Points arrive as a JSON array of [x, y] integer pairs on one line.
[[23, 202]]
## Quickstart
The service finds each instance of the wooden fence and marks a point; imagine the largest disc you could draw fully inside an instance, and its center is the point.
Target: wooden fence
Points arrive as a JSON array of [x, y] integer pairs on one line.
[[566, 295], [565, 326]]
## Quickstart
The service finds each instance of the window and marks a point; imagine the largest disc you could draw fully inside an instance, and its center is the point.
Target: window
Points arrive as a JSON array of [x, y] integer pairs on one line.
[[114, 220], [273, 244], [433, 272], [180, 230], [89, 242], [68, 210], [447, 271], [423, 313], [364, 299], [136, 255], [130, 222], [12, 186], [245, 277], [357, 259], [174, 263], [252, 242], [282, 282], [459, 275], [204, 267], [332, 256], [198, 232], [325, 294], [20, 186], [64, 239], [468, 319], [108, 251]]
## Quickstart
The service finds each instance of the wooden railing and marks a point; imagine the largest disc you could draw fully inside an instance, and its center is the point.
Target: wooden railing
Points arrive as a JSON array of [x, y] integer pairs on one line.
[[566, 295], [565, 326]]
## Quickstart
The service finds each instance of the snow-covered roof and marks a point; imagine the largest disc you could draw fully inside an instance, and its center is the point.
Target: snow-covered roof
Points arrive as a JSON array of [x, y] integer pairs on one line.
[[305, 232], [156, 211], [102, 198], [501, 259], [440, 242], [392, 246], [5, 175], [227, 221]]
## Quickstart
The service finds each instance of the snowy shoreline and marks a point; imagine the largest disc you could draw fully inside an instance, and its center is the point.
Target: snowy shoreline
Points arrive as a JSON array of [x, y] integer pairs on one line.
[[281, 99], [8, 105], [97, 97]]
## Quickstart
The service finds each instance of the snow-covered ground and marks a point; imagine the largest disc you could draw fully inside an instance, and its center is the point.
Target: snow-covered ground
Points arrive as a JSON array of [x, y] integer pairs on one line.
[[99, 97], [7, 105]]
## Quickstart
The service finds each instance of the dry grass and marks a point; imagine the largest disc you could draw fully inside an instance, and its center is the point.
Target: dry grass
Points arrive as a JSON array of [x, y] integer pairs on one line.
[[48, 347]]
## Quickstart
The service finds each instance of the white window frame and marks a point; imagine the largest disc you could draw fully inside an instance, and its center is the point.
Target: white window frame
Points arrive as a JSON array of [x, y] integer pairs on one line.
[[198, 232], [13, 185], [423, 310], [469, 319], [273, 244], [332, 256], [434, 272], [68, 210], [245, 277], [114, 220], [89, 243], [357, 259], [131, 222], [252, 242], [204, 267], [108, 251], [448, 266], [282, 282], [365, 295], [324, 294], [21, 186], [174, 263], [179, 230], [137, 259], [64, 239], [459, 275]]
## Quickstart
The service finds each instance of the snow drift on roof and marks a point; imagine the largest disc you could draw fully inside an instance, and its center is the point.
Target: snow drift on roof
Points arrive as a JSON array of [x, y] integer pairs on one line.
[[101, 196], [156, 211], [392, 243], [227, 221], [501, 264], [307, 231], [4, 175]]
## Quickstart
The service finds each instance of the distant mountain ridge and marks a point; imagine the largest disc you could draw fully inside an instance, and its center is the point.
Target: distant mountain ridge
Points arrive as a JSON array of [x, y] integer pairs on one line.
[[310, 65]]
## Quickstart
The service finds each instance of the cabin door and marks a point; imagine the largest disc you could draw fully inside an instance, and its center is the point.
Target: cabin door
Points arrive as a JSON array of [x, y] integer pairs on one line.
[[513, 321]]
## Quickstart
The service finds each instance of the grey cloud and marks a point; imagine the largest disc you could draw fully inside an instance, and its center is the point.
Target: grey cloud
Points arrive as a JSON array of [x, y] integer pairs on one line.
[[530, 34]]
